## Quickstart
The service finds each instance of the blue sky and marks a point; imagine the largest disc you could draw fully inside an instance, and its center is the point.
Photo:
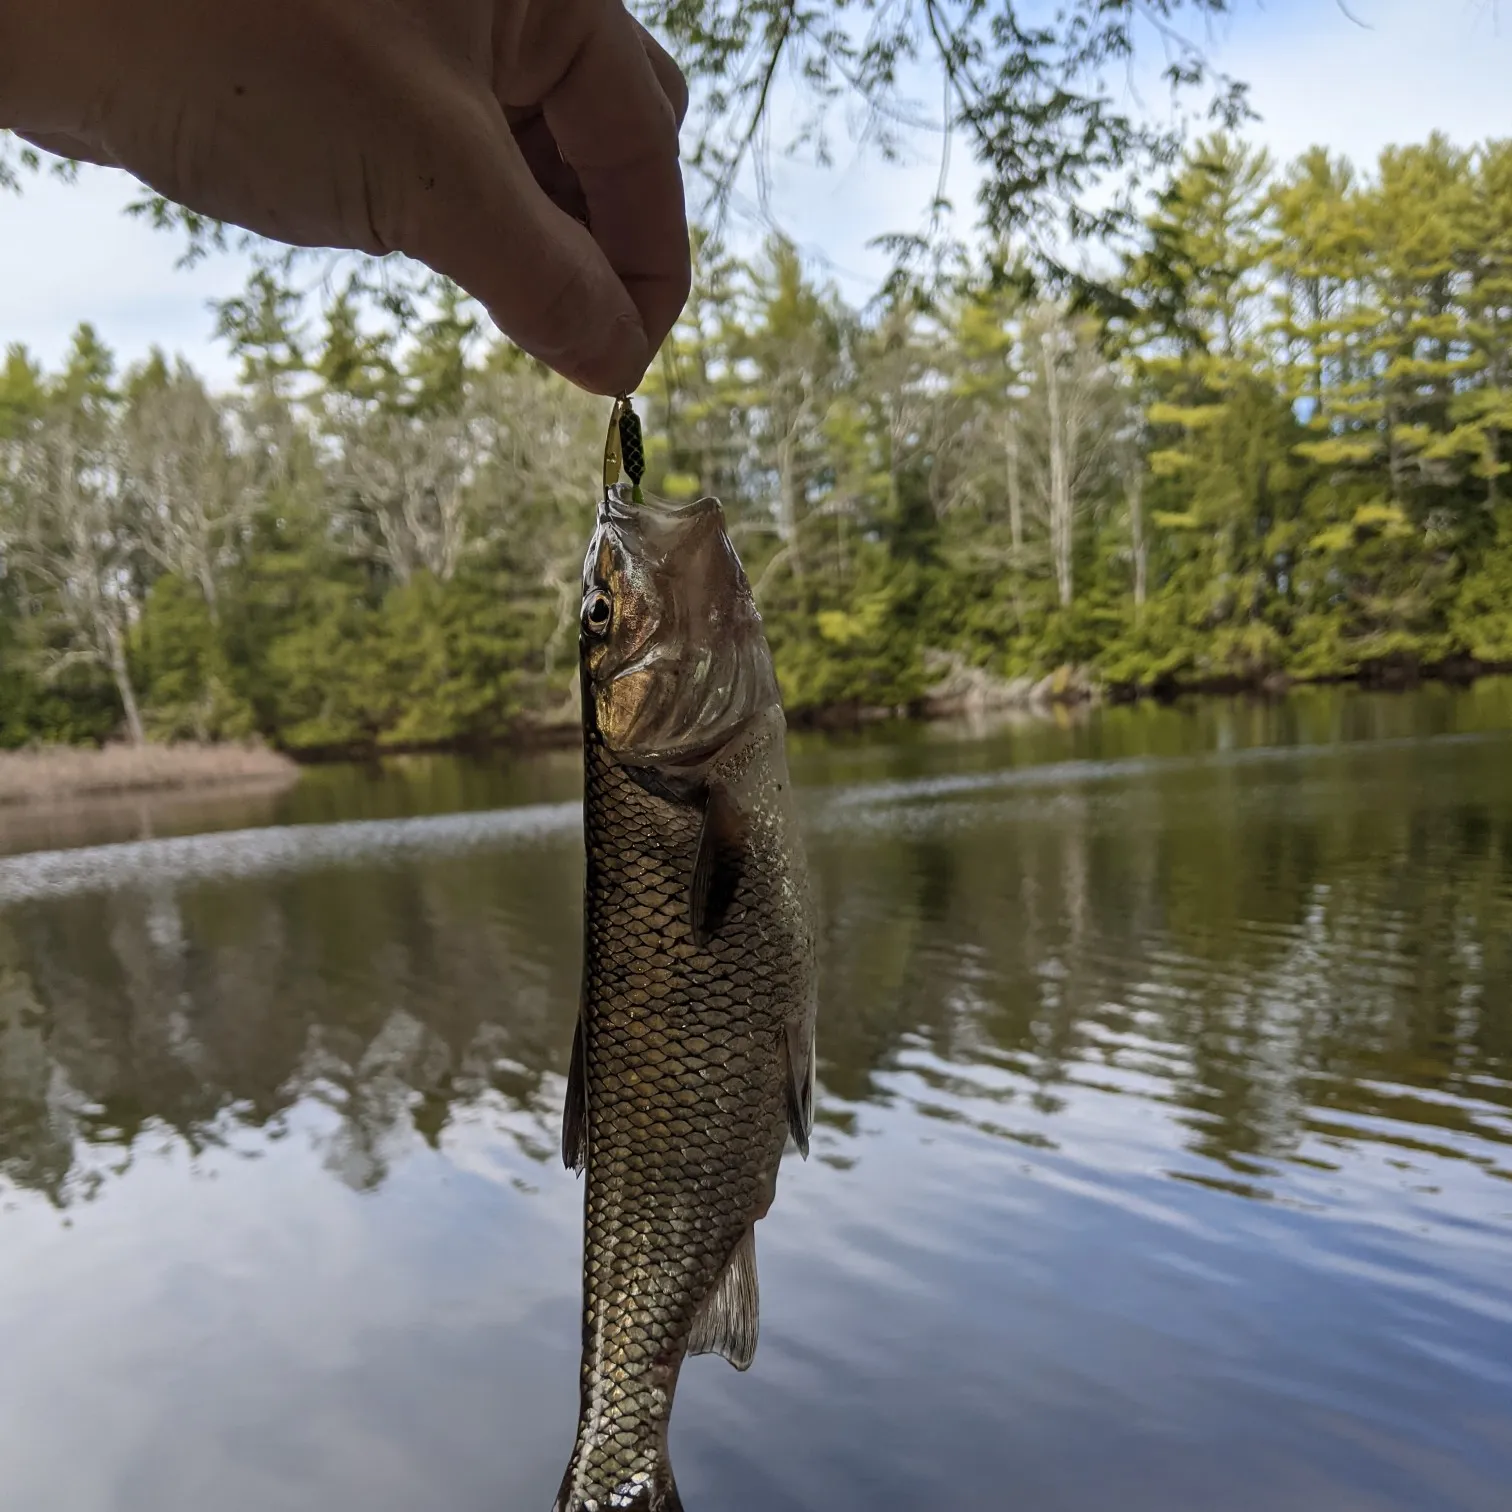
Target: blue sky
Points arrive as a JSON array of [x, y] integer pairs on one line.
[[1402, 69]]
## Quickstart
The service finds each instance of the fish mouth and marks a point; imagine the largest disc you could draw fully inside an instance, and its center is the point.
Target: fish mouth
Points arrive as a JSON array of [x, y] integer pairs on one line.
[[652, 529], [643, 537]]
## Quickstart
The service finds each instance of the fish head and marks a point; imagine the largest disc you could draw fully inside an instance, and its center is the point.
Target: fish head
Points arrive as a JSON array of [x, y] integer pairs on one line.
[[674, 659]]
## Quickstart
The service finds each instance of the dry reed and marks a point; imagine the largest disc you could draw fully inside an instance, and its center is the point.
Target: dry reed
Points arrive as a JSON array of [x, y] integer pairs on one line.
[[55, 774]]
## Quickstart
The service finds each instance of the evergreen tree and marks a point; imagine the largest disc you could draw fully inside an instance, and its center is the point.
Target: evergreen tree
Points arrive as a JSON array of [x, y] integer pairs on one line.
[[1280, 449]]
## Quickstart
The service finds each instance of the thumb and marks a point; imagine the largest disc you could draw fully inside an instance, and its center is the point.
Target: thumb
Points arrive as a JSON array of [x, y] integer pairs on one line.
[[478, 216]]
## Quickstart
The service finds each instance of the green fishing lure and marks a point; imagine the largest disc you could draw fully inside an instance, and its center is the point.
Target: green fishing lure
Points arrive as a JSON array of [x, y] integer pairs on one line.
[[624, 449]]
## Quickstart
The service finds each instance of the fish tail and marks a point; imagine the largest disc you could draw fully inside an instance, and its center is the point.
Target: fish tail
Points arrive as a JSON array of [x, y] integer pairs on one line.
[[582, 1492]]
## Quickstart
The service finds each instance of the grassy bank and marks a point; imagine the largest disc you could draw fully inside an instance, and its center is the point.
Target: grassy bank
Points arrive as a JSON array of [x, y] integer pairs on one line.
[[55, 774]]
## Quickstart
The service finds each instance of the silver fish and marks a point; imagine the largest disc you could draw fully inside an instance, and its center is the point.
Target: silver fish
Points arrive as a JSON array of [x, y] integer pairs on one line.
[[693, 1061]]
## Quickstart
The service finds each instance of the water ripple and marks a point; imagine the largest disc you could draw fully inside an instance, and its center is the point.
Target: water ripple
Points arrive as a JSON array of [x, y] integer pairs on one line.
[[247, 854]]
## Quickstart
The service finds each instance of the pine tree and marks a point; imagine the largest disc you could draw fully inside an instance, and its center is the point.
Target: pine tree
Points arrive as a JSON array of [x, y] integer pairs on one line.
[[793, 339], [1223, 487], [1479, 411]]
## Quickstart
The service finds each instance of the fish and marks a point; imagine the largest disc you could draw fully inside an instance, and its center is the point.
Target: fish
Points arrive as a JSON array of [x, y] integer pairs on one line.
[[693, 1058]]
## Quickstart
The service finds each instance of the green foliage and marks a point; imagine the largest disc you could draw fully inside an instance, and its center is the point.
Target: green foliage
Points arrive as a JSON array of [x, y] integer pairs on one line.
[[188, 681], [458, 661], [75, 709], [1282, 450], [1482, 617], [856, 645], [304, 633]]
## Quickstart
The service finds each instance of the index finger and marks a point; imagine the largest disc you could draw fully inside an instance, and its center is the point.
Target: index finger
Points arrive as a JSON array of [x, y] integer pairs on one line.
[[615, 125]]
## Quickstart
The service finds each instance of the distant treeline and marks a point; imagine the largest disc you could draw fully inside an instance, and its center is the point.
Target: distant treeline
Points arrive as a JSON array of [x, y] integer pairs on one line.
[[1274, 445]]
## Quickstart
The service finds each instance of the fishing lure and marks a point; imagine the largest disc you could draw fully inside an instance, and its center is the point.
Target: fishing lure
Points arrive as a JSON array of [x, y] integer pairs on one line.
[[624, 449]]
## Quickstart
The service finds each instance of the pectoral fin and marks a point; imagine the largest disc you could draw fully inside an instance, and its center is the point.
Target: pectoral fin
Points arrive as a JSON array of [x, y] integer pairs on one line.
[[575, 1114], [717, 865], [798, 1052], [728, 1321]]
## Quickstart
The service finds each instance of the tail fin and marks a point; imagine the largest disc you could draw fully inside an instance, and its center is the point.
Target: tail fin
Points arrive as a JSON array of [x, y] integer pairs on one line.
[[580, 1494]]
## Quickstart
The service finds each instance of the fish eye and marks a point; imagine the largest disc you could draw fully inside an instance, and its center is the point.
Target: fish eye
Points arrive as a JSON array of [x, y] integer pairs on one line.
[[598, 609]]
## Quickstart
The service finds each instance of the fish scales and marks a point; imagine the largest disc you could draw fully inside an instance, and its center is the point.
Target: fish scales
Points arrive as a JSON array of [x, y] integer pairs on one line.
[[687, 1090]]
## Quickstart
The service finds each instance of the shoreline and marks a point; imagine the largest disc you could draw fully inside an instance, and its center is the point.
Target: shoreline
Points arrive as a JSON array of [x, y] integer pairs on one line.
[[964, 692], [50, 776]]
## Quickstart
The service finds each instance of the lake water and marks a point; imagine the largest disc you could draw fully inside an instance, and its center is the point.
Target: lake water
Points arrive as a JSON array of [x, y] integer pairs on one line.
[[1164, 1157]]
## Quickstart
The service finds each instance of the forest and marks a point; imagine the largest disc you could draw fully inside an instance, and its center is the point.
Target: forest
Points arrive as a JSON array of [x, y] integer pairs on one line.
[[1265, 442]]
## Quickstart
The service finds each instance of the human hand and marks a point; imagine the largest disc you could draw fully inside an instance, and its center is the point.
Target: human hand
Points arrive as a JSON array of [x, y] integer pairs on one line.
[[472, 135]]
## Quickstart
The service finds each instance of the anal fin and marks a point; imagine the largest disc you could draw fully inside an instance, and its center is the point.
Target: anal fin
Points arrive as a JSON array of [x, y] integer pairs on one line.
[[728, 1321], [575, 1114], [798, 1051]]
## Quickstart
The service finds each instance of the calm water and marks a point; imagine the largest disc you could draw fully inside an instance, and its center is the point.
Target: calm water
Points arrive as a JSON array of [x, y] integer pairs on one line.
[[1164, 1160]]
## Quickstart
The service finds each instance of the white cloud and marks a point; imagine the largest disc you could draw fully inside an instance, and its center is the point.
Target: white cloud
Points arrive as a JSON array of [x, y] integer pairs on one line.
[[1316, 76]]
